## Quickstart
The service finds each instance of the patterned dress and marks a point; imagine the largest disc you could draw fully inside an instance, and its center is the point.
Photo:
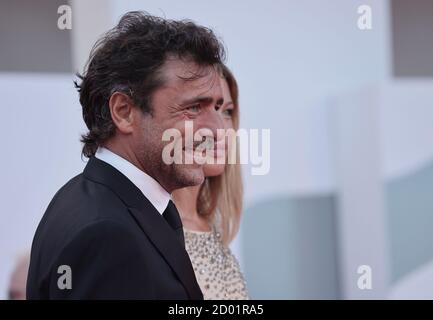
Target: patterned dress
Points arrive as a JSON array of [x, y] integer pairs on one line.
[[216, 268]]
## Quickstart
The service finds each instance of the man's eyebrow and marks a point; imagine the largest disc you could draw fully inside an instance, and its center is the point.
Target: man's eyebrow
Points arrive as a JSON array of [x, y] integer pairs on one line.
[[205, 100]]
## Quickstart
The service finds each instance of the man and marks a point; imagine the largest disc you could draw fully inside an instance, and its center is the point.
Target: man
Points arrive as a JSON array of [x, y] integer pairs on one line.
[[112, 232]]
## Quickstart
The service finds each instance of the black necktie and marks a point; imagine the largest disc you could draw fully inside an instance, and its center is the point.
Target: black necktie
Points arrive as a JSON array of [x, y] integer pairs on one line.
[[172, 216]]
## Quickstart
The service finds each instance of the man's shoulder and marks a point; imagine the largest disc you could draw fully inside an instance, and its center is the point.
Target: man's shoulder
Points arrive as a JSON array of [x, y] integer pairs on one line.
[[80, 202], [81, 193]]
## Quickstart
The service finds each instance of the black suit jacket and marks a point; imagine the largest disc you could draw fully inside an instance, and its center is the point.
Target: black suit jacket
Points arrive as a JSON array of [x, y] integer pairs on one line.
[[117, 245]]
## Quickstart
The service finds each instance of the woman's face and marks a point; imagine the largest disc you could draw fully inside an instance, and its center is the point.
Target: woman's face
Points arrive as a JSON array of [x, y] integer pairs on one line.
[[216, 167]]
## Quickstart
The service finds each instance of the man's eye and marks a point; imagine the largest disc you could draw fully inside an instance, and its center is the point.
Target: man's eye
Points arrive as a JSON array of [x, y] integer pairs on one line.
[[194, 108]]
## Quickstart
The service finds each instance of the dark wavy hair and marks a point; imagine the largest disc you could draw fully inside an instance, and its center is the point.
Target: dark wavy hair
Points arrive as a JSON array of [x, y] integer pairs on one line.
[[127, 59]]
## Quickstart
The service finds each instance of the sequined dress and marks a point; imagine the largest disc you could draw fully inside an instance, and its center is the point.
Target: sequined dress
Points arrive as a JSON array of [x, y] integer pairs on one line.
[[216, 268]]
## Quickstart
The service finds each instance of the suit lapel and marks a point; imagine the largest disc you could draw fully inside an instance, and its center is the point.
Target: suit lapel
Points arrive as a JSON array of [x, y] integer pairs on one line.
[[165, 240], [150, 221]]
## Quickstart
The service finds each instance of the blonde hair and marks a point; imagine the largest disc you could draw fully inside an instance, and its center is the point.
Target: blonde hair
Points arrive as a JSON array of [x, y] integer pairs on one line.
[[222, 195]]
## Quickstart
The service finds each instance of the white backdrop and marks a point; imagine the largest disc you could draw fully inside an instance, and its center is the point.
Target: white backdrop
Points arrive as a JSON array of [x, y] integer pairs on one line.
[[40, 152]]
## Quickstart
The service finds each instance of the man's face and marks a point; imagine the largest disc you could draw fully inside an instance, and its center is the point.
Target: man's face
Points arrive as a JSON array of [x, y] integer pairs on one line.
[[180, 99]]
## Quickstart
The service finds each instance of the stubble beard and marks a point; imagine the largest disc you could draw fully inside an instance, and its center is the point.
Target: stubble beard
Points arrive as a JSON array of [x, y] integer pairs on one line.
[[172, 176], [187, 175]]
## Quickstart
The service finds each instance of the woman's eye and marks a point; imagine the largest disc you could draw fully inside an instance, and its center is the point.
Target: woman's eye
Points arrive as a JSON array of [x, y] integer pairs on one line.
[[195, 108], [228, 112]]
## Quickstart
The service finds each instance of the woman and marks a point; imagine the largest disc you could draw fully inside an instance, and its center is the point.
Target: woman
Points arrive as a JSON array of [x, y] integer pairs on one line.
[[210, 214]]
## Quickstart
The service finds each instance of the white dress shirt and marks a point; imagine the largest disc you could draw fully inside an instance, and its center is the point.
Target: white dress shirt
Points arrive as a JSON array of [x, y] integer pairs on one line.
[[151, 189]]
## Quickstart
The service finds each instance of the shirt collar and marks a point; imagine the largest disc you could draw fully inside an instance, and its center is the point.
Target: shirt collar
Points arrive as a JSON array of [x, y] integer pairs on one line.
[[150, 188]]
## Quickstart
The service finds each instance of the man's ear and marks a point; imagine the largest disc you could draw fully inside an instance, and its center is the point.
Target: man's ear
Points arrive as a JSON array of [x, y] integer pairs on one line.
[[122, 112]]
